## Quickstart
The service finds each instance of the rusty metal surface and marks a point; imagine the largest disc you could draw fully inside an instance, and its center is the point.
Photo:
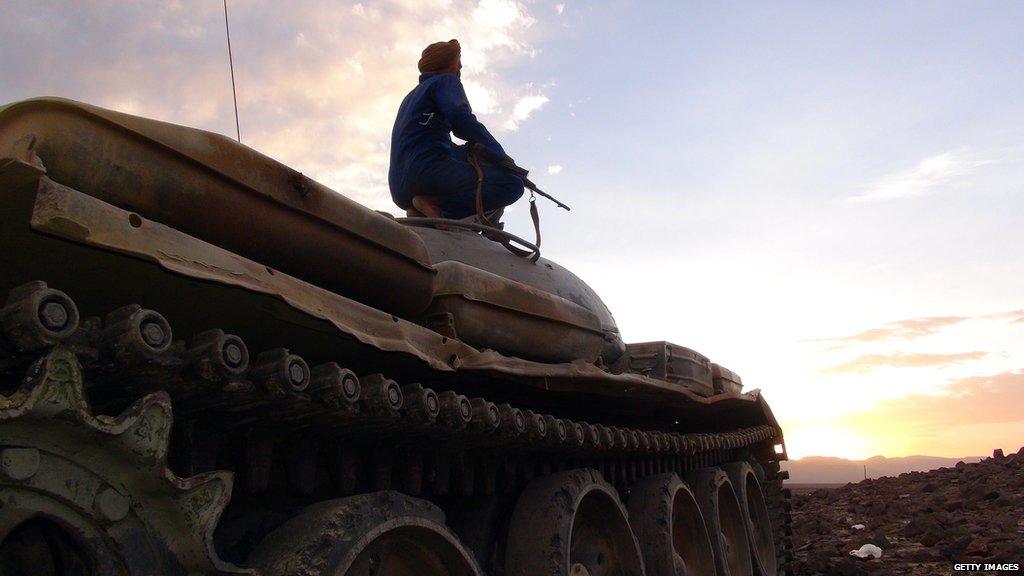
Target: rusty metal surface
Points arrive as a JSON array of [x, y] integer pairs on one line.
[[756, 516], [499, 234], [227, 419], [384, 533], [570, 524], [724, 517], [494, 312], [105, 479], [69, 214], [66, 213], [725, 380], [668, 523], [672, 362], [231, 196], [545, 275], [214, 189], [391, 421]]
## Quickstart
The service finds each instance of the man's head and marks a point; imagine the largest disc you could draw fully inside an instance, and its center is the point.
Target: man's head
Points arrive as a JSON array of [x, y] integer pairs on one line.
[[441, 58]]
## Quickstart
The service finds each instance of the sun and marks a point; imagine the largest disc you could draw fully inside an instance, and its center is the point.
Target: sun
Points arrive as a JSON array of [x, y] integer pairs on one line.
[[823, 439]]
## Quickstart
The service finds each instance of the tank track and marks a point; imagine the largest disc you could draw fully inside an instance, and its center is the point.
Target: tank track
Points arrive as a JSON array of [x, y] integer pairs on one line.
[[294, 435], [778, 498]]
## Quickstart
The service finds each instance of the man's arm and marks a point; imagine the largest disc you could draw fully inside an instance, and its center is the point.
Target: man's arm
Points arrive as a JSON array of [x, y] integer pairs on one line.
[[452, 101]]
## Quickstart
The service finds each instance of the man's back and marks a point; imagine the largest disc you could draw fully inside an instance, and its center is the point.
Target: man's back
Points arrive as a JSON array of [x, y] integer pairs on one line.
[[420, 131]]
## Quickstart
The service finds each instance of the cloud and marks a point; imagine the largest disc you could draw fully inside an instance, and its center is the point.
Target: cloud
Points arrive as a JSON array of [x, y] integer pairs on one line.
[[318, 86], [526, 106], [928, 176], [969, 401], [1014, 316], [957, 417], [482, 98], [899, 330], [559, 8], [555, 169], [869, 362]]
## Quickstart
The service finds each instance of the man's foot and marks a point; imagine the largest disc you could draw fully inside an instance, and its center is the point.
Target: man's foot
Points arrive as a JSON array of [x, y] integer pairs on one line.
[[429, 206]]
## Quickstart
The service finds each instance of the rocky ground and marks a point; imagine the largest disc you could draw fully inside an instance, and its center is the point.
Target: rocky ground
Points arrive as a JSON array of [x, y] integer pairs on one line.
[[924, 522]]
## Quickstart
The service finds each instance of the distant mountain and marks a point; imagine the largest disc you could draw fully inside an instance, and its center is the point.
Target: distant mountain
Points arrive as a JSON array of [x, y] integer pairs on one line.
[[829, 470]]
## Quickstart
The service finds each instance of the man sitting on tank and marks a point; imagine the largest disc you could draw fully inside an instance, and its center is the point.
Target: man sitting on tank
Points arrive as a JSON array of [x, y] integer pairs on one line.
[[430, 175]]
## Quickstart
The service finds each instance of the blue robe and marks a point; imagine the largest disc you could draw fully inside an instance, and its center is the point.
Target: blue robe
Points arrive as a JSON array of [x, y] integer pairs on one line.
[[425, 161]]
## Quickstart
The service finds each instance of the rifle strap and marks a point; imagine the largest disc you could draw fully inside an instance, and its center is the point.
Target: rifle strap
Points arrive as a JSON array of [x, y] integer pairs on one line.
[[471, 156], [482, 216], [535, 216]]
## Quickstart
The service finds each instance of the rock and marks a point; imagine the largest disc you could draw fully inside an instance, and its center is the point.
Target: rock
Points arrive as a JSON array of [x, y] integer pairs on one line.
[[953, 549], [954, 505], [932, 536], [924, 522], [921, 524], [997, 454], [818, 560], [978, 548], [1007, 525], [879, 509], [921, 555], [849, 567], [1009, 549]]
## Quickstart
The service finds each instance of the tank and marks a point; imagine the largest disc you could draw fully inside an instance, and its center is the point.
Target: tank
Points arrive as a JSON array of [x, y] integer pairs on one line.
[[212, 364]]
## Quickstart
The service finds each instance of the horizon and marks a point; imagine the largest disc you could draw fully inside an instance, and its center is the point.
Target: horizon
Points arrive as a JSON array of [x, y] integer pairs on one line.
[[909, 456], [832, 470], [824, 198]]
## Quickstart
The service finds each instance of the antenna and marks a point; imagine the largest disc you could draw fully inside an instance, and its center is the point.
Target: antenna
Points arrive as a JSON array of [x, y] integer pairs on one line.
[[231, 63]]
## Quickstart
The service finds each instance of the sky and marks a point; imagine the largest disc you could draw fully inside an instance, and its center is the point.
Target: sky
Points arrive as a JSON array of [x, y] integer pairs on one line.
[[824, 197]]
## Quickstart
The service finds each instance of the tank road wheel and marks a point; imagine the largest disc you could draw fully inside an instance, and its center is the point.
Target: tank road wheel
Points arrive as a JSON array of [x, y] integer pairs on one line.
[[377, 534], [571, 523], [667, 521], [92, 495], [36, 316], [755, 514], [724, 518]]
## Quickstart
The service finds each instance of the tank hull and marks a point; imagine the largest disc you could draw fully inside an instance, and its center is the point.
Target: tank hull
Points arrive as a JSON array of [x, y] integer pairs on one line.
[[159, 386]]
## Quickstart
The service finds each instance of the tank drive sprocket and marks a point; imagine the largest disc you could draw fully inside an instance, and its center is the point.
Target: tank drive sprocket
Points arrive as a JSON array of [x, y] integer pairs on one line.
[[92, 494]]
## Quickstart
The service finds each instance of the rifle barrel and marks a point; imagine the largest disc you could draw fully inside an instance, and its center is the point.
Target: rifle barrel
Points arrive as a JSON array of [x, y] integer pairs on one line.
[[533, 187], [510, 165]]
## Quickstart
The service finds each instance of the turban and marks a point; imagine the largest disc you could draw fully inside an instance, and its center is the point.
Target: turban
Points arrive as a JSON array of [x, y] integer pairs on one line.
[[440, 57]]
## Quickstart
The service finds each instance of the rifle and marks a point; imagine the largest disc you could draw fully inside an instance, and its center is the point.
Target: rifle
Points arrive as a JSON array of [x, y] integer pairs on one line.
[[508, 164]]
